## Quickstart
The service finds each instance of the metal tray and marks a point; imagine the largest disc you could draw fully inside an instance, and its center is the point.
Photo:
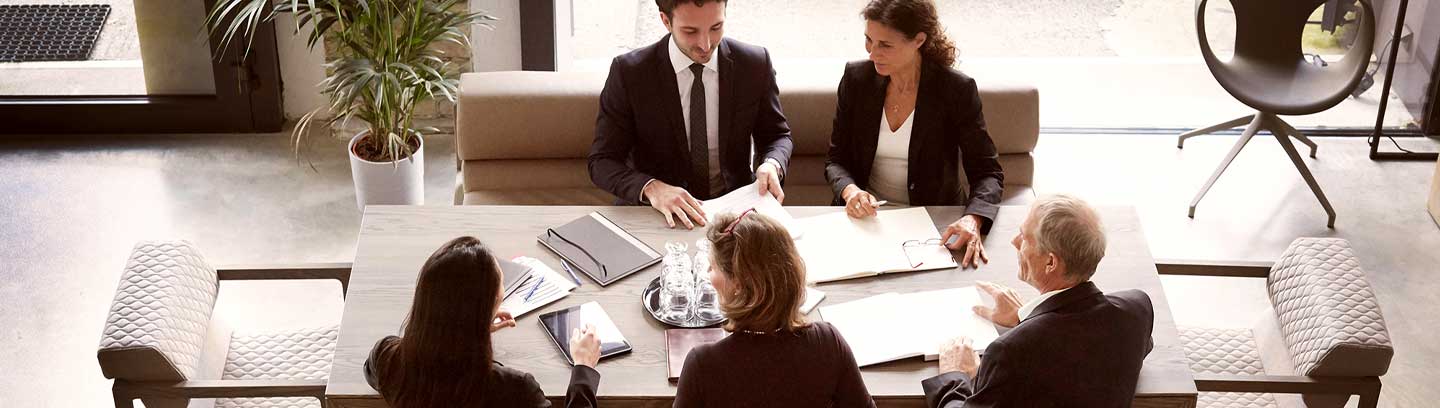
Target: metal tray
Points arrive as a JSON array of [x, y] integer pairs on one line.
[[650, 297]]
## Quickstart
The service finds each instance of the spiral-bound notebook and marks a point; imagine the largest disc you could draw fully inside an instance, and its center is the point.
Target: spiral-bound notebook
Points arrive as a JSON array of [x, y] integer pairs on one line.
[[598, 248]]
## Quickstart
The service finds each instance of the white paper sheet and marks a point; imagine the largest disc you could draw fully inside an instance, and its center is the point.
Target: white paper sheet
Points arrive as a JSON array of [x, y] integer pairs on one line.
[[840, 247], [553, 287], [745, 198], [892, 326]]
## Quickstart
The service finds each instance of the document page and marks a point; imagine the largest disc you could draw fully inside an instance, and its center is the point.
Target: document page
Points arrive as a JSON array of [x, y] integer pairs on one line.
[[749, 197]]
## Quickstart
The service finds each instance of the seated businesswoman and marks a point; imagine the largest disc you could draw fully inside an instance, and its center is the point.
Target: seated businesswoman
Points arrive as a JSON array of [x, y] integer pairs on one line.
[[772, 357], [905, 123], [445, 358]]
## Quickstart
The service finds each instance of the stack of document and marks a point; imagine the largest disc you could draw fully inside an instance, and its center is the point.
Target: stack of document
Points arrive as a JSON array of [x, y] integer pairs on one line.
[[748, 197], [538, 285], [839, 247], [893, 326]]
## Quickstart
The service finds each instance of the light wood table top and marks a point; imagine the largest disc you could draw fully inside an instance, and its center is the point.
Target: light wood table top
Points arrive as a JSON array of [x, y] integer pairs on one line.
[[395, 240]]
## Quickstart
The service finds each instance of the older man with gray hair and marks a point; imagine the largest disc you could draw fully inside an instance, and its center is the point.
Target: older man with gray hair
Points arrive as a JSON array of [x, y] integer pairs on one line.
[[1071, 346]]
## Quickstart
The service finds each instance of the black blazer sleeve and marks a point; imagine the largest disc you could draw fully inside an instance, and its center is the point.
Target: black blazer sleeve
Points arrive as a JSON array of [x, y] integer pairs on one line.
[[614, 139], [584, 382], [838, 157], [991, 385], [772, 132], [979, 156]]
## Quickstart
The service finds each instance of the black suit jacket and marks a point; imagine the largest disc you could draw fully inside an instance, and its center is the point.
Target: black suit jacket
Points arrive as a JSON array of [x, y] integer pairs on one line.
[[508, 387], [948, 131], [640, 132], [1080, 348]]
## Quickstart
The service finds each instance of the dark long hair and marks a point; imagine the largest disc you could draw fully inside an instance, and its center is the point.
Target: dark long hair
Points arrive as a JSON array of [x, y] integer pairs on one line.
[[445, 356], [913, 17]]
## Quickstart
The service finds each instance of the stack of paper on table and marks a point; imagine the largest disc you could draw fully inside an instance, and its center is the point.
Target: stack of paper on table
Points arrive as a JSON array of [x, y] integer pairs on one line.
[[838, 247], [542, 286], [893, 326], [745, 198]]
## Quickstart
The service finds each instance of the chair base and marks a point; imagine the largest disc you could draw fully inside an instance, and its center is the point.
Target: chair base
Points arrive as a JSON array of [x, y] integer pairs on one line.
[[1282, 132]]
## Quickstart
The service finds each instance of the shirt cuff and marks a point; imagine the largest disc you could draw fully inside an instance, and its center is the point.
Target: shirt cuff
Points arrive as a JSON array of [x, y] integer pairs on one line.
[[642, 199], [778, 169]]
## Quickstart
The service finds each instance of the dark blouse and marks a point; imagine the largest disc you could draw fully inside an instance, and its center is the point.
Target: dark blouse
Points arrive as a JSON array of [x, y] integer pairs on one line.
[[810, 367], [510, 387]]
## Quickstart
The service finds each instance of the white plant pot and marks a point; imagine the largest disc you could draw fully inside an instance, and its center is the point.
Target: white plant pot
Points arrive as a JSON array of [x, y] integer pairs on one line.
[[388, 183]]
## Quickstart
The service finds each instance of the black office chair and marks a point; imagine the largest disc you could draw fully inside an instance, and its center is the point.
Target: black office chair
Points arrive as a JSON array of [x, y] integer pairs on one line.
[[1270, 73]]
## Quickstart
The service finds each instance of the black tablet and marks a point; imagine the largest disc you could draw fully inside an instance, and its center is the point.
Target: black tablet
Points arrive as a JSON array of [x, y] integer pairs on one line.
[[559, 323]]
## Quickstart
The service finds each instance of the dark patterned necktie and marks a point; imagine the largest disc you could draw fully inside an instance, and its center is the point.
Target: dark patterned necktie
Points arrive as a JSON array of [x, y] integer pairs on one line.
[[699, 143]]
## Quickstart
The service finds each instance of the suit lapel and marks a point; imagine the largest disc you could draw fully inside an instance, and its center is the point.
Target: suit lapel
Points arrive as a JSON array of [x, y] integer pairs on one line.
[[870, 122], [727, 109], [670, 102], [926, 100], [1080, 292]]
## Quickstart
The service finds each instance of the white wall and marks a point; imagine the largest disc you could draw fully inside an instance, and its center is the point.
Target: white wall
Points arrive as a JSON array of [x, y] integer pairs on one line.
[[301, 68]]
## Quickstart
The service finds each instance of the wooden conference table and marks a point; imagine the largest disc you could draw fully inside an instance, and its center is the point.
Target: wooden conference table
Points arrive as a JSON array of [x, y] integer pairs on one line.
[[395, 240]]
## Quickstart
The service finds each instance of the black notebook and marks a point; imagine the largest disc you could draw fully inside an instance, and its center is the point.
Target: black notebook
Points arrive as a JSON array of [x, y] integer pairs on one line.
[[599, 248]]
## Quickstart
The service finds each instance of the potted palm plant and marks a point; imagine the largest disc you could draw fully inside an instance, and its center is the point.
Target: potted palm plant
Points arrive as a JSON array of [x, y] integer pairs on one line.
[[388, 56]]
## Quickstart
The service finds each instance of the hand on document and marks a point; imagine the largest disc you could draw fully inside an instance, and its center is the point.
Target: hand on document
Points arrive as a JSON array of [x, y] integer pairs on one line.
[[675, 203], [958, 355], [1007, 304], [859, 203], [767, 178], [966, 231]]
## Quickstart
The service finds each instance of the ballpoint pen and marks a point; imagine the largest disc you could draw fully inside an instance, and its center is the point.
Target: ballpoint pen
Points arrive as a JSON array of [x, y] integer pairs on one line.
[[566, 265], [533, 288]]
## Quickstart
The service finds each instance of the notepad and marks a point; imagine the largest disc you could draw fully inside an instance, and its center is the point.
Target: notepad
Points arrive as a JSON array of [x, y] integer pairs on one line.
[[539, 287], [745, 198], [679, 342], [838, 247], [598, 248], [895, 326]]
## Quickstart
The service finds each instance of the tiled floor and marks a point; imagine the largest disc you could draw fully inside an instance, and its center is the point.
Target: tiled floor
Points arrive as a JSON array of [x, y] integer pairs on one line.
[[71, 208]]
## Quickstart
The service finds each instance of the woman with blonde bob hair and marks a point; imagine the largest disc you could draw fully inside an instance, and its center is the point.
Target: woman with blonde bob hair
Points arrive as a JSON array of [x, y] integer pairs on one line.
[[773, 356]]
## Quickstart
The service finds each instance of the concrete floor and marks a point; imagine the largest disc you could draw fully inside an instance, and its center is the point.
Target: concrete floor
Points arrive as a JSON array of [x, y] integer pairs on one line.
[[72, 207]]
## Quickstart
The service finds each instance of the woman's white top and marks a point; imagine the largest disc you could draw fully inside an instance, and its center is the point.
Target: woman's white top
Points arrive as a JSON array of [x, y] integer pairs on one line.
[[890, 174]]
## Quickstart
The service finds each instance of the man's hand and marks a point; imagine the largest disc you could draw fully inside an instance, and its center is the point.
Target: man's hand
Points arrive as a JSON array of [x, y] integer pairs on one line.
[[767, 178], [966, 230], [674, 203], [585, 346], [1007, 304], [859, 203], [958, 355]]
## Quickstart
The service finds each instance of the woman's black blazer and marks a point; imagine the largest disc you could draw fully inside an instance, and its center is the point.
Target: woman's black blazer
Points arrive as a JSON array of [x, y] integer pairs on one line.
[[948, 131]]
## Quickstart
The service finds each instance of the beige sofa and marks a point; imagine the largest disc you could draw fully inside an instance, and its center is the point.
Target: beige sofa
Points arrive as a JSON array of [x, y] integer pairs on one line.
[[523, 137]]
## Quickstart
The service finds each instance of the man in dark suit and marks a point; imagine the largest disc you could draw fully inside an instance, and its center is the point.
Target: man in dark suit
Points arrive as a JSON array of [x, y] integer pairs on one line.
[[1072, 346], [678, 118]]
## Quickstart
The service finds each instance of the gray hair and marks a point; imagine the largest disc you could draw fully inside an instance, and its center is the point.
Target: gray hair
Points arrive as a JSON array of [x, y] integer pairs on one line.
[[1067, 227]]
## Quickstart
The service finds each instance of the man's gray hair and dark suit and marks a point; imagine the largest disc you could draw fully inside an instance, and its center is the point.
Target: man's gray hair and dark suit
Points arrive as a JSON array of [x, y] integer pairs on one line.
[[1079, 348]]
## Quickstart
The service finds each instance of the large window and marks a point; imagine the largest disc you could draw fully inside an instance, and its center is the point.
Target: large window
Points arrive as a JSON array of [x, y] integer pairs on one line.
[[1097, 63]]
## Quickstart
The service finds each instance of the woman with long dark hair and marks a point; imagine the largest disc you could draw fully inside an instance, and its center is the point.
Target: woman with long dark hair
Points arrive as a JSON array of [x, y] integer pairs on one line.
[[906, 123], [445, 357]]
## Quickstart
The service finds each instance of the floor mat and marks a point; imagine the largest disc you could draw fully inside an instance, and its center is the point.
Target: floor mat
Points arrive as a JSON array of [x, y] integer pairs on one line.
[[50, 32]]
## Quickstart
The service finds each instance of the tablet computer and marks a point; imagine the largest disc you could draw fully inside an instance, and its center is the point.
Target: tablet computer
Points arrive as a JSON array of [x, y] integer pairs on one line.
[[559, 323]]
